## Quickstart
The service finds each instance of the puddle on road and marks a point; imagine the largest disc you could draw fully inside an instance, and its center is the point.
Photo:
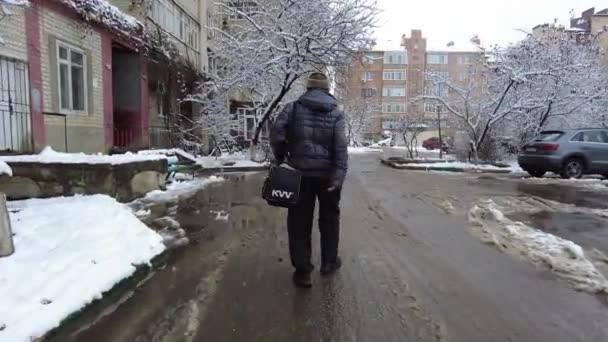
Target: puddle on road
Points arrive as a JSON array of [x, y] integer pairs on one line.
[[585, 230]]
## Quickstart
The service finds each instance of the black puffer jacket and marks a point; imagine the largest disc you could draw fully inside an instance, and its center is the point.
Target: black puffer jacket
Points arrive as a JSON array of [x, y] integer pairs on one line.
[[310, 134]]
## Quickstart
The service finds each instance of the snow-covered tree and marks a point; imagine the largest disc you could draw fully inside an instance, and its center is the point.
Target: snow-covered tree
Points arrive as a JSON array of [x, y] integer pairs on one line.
[[410, 128], [359, 107], [524, 87], [266, 47], [571, 91]]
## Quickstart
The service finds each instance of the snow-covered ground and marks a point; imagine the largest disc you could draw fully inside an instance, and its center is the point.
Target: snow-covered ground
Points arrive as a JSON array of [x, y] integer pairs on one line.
[[241, 159], [68, 252], [180, 189], [456, 166], [5, 169], [169, 152], [48, 155], [359, 150], [565, 258]]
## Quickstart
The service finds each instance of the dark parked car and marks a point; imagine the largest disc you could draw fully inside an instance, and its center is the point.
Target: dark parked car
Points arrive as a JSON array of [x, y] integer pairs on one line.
[[433, 144], [569, 153]]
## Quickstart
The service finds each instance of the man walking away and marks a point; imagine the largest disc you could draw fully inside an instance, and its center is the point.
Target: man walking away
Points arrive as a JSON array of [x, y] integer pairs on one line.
[[309, 135]]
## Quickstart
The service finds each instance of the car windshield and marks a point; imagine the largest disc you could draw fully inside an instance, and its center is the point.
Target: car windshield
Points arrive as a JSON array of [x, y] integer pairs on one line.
[[549, 136]]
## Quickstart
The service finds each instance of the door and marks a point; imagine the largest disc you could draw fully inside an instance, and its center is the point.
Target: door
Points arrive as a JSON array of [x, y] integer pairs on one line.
[[594, 144], [15, 118]]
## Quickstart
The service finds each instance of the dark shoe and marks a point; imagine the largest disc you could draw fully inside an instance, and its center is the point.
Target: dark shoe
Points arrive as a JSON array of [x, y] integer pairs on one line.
[[332, 267], [302, 279]]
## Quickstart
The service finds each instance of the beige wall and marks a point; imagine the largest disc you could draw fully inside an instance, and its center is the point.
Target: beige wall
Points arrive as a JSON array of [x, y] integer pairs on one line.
[[598, 24], [12, 31], [85, 130]]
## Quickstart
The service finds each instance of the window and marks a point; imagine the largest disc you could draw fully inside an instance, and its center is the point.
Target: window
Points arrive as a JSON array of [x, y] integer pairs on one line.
[[436, 75], [551, 136], [437, 59], [369, 92], [436, 90], [394, 75], [432, 107], [598, 137], [395, 57], [177, 22], [71, 69], [239, 8], [464, 60], [393, 92], [367, 76], [393, 107]]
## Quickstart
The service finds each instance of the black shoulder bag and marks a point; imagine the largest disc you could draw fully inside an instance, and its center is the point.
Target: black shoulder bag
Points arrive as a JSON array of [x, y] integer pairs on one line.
[[282, 185]]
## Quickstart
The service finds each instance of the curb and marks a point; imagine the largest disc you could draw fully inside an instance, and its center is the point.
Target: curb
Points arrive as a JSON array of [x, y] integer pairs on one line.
[[399, 166]]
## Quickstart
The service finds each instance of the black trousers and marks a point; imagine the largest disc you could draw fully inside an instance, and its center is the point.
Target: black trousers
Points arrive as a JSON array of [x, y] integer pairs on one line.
[[300, 221]]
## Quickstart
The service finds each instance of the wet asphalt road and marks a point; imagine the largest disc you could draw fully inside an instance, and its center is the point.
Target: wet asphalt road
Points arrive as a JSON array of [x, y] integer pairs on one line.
[[412, 272]]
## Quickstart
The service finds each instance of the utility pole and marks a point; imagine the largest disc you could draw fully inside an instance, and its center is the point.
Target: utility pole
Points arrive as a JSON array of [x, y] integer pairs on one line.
[[438, 108]]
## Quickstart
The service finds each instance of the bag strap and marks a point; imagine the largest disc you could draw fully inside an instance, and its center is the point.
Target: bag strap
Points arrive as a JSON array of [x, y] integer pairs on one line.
[[290, 125]]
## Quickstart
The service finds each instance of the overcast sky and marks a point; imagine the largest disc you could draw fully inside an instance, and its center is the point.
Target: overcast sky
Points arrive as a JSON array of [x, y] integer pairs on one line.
[[495, 21]]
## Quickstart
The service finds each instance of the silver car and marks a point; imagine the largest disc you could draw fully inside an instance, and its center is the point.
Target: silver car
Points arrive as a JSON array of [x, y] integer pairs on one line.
[[569, 153]]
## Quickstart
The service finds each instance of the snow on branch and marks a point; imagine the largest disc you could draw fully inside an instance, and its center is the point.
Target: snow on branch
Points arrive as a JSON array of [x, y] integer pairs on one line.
[[555, 79], [267, 48]]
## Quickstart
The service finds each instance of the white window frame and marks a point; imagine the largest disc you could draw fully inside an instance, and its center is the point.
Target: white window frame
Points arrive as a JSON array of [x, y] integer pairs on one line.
[[244, 6], [433, 75], [69, 64], [365, 74], [437, 58], [390, 91], [389, 57], [369, 92], [177, 22], [394, 108], [391, 75], [434, 107]]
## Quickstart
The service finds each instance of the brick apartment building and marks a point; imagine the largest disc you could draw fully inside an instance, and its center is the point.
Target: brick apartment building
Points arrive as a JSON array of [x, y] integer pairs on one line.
[[74, 74], [592, 22], [393, 78]]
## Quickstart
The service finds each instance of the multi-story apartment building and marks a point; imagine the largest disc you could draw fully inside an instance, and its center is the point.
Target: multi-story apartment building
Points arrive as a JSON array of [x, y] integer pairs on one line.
[[84, 75], [592, 22], [394, 78]]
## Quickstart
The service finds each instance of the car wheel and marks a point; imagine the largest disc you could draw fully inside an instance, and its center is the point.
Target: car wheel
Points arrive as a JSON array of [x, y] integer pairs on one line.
[[537, 173], [573, 168]]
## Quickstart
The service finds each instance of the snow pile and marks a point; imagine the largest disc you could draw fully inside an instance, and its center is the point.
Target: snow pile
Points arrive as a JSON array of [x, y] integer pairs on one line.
[[102, 12], [563, 257], [5, 169], [177, 190], [169, 152], [48, 156], [68, 252], [587, 183], [360, 150], [385, 142], [455, 166], [15, 2], [228, 161]]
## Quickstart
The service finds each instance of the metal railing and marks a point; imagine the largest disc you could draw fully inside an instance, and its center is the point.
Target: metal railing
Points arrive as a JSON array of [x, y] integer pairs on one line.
[[15, 117]]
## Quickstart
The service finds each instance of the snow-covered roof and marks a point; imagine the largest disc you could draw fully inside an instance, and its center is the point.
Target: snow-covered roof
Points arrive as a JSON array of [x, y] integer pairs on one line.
[[48, 156], [388, 45], [458, 47], [108, 15], [575, 29]]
